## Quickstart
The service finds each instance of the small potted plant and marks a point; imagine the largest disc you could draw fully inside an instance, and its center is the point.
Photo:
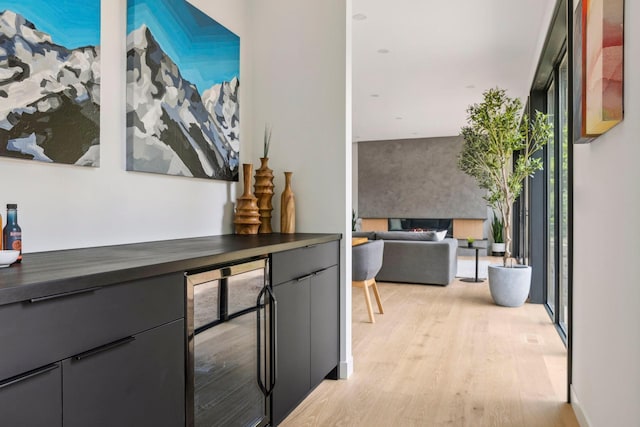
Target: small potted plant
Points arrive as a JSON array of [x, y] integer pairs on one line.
[[499, 150], [470, 242], [497, 232]]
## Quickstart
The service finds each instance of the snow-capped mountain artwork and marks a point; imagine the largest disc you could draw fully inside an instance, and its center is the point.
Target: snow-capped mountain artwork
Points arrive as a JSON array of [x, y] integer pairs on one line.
[[49, 96], [172, 127]]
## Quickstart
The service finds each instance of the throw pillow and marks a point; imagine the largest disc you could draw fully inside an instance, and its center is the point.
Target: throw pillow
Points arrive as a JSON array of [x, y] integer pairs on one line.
[[395, 224]]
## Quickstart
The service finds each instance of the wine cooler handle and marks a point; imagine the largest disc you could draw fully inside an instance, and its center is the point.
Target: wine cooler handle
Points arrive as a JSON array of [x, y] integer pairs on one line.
[[262, 386], [274, 338]]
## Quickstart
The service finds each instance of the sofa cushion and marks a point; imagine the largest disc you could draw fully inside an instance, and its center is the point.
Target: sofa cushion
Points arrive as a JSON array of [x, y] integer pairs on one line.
[[433, 263], [412, 235]]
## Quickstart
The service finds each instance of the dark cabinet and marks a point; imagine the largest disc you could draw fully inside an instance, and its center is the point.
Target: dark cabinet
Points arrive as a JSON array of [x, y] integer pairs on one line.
[[293, 346], [103, 356], [307, 348], [113, 354], [136, 381], [32, 399], [54, 327], [325, 323]]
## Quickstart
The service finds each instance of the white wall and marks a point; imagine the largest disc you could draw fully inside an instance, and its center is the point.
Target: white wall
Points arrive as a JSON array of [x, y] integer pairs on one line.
[[67, 206], [295, 74], [300, 67], [606, 287]]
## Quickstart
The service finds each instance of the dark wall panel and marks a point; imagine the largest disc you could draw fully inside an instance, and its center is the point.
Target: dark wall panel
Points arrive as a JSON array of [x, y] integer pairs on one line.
[[416, 178]]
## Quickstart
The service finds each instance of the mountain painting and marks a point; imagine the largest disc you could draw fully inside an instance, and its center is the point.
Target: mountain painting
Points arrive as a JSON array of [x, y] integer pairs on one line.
[[50, 81], [182, 92]]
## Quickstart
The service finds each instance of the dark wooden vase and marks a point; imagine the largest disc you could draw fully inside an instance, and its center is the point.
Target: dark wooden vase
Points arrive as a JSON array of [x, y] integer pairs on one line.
[[264, 192], [247, 218], [287, 207]]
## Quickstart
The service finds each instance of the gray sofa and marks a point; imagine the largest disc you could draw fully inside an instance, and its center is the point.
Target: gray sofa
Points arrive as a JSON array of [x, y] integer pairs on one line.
[[408, 258]]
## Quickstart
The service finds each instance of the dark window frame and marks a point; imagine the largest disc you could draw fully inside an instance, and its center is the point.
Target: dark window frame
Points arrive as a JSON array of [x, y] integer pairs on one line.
[[558, 43]]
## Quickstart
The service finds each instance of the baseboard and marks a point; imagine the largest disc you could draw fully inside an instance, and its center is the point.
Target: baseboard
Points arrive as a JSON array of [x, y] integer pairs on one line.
[[577, 409], [345, 369]]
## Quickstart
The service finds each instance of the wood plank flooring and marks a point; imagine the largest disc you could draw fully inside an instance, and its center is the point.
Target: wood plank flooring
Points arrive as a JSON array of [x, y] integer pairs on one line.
[[446, 356]]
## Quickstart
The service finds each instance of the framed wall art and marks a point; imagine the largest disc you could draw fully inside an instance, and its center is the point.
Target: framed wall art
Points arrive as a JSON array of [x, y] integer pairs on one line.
[[182, 92], [50, 81], [598, 67]]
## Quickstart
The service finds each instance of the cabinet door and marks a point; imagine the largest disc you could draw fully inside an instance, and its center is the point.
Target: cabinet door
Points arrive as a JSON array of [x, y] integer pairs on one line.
[[325, 326], [59, 326], [132, 382], [292, 351], [32, 399], [289, 265]]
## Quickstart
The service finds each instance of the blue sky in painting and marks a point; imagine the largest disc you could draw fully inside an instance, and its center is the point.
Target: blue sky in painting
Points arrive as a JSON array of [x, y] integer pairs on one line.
[[206, 52], [71, 23]]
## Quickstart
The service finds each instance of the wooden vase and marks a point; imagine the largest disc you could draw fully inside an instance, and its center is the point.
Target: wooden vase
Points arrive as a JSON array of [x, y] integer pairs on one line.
[[264, 192], [247, 219], [287, 207]]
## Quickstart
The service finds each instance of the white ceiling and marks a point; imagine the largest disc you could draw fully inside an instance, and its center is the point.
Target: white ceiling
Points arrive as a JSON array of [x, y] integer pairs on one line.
[[442, 54]]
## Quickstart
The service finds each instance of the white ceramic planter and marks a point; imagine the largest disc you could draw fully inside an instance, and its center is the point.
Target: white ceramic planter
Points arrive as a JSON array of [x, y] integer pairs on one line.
[[509, 286], [497, 247]]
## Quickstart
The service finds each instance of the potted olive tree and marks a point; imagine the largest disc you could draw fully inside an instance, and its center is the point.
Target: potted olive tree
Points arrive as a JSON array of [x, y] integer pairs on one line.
[[499, 144]]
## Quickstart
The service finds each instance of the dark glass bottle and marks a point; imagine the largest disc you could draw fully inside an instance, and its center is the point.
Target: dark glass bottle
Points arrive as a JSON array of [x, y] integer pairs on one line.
[[12, 234]]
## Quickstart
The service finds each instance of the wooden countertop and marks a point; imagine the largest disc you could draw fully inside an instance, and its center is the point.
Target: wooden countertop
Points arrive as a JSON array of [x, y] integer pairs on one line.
[[48, 273]]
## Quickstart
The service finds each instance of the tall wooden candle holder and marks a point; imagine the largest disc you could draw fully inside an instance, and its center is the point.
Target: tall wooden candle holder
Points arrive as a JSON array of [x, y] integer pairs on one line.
[[247, 218], [264, 193]]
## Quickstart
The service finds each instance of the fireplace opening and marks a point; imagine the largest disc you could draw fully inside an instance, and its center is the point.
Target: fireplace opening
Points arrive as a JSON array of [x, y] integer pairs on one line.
[[408, 224]]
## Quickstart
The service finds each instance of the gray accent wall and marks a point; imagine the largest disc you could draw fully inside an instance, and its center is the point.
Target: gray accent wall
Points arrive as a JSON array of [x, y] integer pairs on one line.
[[416, 178]]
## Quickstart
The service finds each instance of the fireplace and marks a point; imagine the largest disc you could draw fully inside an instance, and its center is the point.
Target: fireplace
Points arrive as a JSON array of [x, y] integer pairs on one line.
[[408, 224]]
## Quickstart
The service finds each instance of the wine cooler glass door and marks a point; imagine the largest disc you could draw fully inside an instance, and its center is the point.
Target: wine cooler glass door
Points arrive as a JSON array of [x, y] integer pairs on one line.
[[231, 346]]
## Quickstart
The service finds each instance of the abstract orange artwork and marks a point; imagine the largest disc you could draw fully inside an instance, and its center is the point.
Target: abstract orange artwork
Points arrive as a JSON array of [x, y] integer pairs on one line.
[[602, 65]]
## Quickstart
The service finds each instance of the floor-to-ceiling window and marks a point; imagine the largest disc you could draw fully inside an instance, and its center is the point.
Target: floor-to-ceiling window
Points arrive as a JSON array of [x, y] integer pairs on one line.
[[563, 187], [557, 198], [551, 202]]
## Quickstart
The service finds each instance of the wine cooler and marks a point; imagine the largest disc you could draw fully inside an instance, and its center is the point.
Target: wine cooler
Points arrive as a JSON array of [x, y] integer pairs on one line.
[[231, 317]]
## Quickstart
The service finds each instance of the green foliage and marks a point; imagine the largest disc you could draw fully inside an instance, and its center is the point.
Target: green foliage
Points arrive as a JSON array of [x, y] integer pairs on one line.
[[497, 228], [496, 132], [267, 140]]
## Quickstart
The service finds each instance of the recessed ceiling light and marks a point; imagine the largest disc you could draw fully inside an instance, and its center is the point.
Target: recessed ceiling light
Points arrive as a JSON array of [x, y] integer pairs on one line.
[[398, 118], [375, 95], [359, 17], [470, 86], [383, 50]]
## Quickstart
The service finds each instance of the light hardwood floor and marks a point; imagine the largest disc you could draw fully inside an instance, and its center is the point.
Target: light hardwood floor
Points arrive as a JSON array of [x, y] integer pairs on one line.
[[446, 356]]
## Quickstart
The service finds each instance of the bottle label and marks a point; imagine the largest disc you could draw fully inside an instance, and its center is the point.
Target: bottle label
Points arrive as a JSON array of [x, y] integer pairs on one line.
[[14, 240]]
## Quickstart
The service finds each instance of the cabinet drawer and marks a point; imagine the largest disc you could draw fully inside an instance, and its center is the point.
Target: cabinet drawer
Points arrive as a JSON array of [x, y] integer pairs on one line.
[[53, 328], [139, 383], [296, 263], [33, 399]]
